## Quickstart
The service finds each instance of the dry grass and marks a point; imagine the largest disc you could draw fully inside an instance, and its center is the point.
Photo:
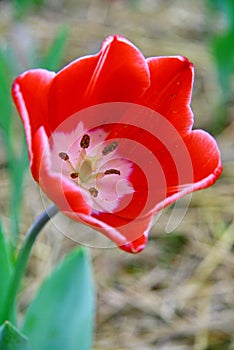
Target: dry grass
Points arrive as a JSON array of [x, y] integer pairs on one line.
[[178, 293]]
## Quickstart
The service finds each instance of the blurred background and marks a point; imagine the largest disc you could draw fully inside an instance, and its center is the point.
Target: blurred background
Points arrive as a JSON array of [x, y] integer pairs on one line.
[[179, 293]]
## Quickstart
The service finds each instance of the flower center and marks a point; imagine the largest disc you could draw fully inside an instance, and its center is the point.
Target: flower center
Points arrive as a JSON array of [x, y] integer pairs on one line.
[[94, 164], [86, 171]]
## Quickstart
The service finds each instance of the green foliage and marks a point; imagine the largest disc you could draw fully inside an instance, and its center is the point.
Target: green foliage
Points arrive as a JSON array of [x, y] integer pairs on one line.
[[17, 157], [223, 6], [5, 97], [5, 269], [223, 52], [61, 315], [11, 338], [224, 56], [22, 6]]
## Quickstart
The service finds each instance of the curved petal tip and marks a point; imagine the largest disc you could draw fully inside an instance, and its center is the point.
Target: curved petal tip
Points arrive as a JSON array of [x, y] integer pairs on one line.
[[136, 246]]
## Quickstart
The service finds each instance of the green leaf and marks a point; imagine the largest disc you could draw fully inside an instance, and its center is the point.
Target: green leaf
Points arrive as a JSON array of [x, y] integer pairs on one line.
[[11, 338], [223, 51], [5, 269], [223, 7], [62, 314], [5, 96], [53, 57]]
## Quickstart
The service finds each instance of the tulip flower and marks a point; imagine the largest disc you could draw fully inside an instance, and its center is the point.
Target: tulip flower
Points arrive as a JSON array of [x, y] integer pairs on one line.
[[110, 138]]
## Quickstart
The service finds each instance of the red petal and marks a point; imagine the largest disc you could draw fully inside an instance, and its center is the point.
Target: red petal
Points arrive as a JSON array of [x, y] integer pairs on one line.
[[135, 246], [67, 196], [185, 164], [130, 236], [155, 162], [200, 169], [118, 73], [170, 90], [30, 94], [205, 158]]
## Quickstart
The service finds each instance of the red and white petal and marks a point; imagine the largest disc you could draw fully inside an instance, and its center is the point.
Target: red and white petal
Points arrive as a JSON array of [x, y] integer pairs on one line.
[[69, 198], [130, 236], [30, 93], [66, 195]]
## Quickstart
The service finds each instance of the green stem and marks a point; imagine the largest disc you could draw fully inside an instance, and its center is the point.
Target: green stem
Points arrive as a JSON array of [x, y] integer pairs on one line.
[[22, 260]]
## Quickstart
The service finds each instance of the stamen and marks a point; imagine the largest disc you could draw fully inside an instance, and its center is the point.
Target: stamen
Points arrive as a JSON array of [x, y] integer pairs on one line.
[[112, 171], [74, 175], [93, 191], [85, 141], [64, 156], [110, 148]]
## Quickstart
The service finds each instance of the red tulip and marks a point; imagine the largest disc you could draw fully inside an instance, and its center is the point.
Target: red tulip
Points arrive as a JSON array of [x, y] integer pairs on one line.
[[110, 138]]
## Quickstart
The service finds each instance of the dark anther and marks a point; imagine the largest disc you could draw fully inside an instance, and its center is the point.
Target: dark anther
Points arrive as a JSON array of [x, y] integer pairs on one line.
[[84, 143], [74, 175], [64, 156], [93, 191], [110, 148], [112, 171]]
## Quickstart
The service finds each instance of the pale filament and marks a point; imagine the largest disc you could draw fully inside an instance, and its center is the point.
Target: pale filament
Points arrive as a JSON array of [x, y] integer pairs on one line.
[[85, 170]]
